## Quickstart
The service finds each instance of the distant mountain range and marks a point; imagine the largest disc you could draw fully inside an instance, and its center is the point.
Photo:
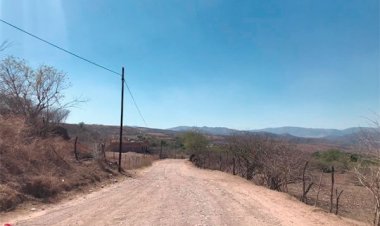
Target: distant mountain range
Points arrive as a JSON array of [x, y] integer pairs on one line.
[[311, 132], [205, 129], [288, 130]]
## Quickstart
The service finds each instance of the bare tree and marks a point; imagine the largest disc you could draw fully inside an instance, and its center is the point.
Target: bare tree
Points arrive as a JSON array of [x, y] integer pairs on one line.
[[305, 189], [246, 149], [57, 115], [368, 169], [35, 94], [277, 163], [319, 189], [281, 164]]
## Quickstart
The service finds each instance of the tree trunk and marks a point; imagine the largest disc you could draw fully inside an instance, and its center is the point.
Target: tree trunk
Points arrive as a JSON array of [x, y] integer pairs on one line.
[[304, 189], [376, 219], [249, 171]]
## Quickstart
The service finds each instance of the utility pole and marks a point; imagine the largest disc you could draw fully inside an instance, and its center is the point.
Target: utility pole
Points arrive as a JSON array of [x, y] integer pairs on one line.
[[121, 117]]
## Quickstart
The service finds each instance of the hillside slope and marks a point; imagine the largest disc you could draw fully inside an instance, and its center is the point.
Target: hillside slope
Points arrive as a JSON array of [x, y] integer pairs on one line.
[[39, 168]]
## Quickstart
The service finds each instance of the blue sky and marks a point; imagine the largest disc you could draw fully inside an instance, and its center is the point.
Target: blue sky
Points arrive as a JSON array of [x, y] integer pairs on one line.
[[240, 64]]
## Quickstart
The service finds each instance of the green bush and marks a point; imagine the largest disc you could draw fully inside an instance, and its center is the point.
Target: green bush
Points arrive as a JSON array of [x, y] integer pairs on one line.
[[342, 161]]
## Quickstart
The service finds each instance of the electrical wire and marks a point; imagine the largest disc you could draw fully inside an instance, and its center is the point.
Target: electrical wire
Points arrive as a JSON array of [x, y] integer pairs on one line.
[[60, 48], [134, 102], [79, 57]]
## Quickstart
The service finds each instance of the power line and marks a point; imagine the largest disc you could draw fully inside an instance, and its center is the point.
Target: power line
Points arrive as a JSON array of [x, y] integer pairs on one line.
[[79, 57], [60, 48], [134, 102]]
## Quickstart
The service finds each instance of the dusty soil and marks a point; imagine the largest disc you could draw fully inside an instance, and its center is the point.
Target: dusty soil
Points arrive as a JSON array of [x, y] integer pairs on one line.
[[174, 192], [356, 202]]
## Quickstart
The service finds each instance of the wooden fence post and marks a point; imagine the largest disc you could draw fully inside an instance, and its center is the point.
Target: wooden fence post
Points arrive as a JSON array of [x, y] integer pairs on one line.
[[234, 166], [75, 148], [319, 189], [332, 188]]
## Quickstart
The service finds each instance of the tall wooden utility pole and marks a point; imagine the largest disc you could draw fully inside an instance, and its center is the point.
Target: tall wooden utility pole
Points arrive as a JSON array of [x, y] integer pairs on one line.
[[121, 117]]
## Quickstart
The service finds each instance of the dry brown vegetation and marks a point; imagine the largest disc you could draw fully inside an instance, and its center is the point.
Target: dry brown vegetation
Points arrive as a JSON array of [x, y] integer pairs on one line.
[[39, 168], [273, 163], [355, 202], [367, 174], [131, 160], [281, 166], [37, 158]]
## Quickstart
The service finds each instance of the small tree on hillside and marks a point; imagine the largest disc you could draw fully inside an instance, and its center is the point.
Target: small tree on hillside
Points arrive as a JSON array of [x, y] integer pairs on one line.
[[196, 144]]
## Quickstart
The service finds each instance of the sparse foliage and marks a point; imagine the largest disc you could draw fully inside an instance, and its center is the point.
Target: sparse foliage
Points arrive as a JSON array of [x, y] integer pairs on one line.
[[35, 94]]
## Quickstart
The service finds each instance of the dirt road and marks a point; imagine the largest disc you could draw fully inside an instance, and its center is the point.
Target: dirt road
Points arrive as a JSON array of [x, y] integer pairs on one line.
[[173, 192]]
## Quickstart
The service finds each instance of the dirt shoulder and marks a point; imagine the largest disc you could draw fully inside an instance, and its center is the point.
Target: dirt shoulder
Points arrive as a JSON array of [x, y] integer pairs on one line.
[[173, 192]]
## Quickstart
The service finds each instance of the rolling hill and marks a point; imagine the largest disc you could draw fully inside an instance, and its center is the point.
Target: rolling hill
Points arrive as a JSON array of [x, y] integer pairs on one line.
[[293, 131]]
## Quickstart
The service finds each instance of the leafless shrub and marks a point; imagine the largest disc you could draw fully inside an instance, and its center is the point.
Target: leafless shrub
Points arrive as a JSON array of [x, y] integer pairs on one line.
[[282, 164], [248, 153], [9, 198], [41, 187], [368, 169]]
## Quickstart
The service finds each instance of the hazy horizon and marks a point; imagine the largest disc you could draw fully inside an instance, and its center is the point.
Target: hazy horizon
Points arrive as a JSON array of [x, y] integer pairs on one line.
[[142, 126]]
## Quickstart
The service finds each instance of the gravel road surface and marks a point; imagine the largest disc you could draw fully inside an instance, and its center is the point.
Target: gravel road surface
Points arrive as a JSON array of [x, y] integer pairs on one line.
[[174, 192]]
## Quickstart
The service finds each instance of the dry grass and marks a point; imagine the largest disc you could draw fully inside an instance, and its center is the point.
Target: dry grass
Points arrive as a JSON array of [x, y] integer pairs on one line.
[[131, 160], [35, 168], [356, 201]]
